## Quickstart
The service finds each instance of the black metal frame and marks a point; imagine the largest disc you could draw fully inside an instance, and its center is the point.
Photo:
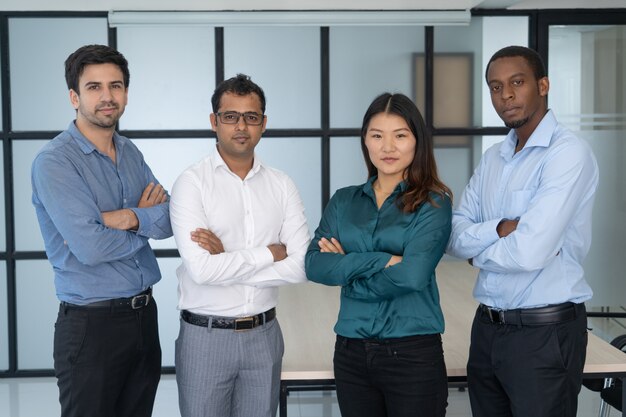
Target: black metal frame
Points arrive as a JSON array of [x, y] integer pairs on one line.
[[538, 25]]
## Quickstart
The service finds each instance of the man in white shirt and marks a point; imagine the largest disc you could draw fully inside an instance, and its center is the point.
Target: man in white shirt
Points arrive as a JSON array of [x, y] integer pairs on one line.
[[241, 232]]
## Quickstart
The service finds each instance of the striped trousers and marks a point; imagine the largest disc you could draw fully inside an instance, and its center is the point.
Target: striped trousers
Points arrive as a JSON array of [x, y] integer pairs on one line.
[[223, 373]]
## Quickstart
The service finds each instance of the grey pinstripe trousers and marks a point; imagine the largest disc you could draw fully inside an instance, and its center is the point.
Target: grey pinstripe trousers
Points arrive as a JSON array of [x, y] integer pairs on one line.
[[223, 373]]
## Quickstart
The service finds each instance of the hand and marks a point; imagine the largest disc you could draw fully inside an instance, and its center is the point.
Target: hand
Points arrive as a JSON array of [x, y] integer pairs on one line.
[[395, 259], [124, 219], [506, 227], [279, 251], [207, 240], [152, 195], [330, 246]]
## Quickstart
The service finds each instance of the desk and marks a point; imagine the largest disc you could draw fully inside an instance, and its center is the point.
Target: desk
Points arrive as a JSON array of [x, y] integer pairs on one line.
[[307, 313]]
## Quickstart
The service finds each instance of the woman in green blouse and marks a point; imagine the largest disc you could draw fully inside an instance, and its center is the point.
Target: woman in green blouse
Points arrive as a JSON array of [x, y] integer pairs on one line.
[[381, 241]]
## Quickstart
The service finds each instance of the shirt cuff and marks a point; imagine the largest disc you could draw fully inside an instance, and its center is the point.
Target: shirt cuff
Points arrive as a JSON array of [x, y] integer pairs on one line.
[[262, 257], [489, 232]]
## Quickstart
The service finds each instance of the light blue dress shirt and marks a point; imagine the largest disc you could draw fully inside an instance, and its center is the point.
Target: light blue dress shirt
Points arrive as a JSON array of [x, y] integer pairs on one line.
[[549, 186], [73, 183]]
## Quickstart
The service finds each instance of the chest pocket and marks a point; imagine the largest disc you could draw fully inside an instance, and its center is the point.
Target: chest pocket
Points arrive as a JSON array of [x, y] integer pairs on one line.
[[516, 203]]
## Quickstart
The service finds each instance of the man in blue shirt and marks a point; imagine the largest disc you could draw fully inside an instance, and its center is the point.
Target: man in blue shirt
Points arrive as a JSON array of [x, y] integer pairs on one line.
[[525, 221], [98, 203]]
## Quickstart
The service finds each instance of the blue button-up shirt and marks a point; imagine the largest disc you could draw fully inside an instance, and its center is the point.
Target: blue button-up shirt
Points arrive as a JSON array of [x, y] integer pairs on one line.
[[549, 186], [73, 183]]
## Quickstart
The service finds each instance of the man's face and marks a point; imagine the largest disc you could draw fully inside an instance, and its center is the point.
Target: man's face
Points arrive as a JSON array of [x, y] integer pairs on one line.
[[517, 97], [102, 96], [238, 140]]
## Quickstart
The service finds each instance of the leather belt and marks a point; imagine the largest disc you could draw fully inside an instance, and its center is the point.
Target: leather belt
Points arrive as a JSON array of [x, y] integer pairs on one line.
[[236, 323], [134, 303], [552, 314]]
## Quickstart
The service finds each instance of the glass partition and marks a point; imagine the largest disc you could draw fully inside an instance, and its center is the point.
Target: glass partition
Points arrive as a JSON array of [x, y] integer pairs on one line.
[[587, 71], [301, 159], [36, 303], [3, 245], [168, 158], [4, 325], [27, 232], [285, 63], [347, 166], [172, 76], [367, 61], [38, 48], [166, 295]]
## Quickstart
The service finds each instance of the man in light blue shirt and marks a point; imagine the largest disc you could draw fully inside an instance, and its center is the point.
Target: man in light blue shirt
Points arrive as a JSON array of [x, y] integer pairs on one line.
[[525, 221], [98, 203]]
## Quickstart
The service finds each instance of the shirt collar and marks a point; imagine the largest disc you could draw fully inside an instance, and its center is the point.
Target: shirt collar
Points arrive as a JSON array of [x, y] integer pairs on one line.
[[218, 161], [87, 146], [541, 136], [368, 187]]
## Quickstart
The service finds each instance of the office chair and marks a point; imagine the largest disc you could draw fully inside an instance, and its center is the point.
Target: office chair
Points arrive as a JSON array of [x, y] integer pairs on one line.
[[610, 389]]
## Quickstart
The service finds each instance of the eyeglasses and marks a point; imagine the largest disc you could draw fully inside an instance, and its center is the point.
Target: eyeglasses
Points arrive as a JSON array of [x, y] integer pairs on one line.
[[232, 117]]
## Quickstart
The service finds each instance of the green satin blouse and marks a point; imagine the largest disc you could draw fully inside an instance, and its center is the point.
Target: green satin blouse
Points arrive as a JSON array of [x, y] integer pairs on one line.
[[378, 302]]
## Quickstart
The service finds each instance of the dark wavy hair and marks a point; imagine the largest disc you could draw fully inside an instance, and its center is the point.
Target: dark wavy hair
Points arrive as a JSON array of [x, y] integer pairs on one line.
[[241, 85], [93, 54], [421, 176]]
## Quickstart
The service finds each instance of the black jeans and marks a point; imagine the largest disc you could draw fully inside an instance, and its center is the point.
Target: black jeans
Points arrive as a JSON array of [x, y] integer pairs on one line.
[[526, 371], [393, 377], [107, 361]]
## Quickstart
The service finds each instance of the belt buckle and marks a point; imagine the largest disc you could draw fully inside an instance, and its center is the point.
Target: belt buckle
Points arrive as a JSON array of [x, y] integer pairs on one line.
[[496, 315], [246, 323], [139, 301]]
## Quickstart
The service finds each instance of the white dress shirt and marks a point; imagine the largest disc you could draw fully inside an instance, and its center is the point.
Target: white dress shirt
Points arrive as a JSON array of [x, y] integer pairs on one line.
[[549, 186], [246, 215]]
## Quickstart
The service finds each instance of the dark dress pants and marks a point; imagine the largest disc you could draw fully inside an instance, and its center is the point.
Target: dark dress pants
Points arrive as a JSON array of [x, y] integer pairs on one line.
[[107, 360], [403, 377], [526, 371]]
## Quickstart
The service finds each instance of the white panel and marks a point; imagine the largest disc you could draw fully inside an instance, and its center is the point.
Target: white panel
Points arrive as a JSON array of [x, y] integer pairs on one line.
[[38, 50], [166, 295], [37, 308], [285, 63], [498, 32], [168, 158], [454, 167], [291, 18], [347, 166], [300, 158], [4, 326], [27, 232], [367, 61], [172, 77]]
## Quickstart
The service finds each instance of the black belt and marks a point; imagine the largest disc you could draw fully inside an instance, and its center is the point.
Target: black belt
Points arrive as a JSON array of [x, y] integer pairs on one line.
[[138, 301], [552, 314], [236, 323]]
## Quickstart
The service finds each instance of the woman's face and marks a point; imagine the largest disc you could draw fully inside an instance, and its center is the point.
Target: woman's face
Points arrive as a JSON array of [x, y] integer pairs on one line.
[[390, 144]]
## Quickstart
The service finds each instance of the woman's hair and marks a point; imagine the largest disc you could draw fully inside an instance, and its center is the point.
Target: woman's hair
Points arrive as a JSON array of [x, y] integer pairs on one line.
[[421, 176]]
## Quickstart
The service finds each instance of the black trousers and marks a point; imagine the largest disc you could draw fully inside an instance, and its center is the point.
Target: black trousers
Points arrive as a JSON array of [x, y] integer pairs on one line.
[[395, 378], [526, 371], [107, 361]]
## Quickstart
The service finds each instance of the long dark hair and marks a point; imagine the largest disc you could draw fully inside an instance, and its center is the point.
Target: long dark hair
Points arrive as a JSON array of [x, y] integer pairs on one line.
[[421, 176]]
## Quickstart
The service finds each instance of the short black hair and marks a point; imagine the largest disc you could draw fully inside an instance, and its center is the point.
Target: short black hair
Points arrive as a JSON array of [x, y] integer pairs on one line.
[[531, 56], [241, 85], [93, 54]]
